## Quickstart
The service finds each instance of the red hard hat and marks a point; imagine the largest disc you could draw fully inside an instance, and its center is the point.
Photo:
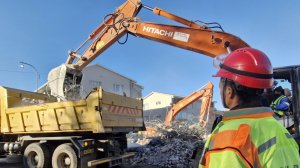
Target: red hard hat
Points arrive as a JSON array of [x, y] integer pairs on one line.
[[248, 67]]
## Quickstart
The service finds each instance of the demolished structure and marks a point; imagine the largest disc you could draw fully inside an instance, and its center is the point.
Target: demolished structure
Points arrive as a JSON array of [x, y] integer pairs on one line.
[[167, 147]]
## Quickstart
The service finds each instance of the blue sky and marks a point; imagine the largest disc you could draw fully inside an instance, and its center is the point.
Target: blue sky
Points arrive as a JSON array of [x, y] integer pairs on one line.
[[41, 33]]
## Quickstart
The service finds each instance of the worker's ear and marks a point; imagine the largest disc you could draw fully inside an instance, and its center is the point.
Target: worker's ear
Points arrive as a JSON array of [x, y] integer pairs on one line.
[[230, 92]]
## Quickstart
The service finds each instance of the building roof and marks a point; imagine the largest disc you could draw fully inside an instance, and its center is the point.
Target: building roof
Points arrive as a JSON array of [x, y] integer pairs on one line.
[[162, 93]]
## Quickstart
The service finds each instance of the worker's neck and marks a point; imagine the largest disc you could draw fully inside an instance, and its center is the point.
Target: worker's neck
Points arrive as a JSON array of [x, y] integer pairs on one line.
[[233, 102]]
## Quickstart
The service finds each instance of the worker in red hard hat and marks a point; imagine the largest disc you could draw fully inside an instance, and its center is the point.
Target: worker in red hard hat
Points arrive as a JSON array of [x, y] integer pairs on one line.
[[248, 135]]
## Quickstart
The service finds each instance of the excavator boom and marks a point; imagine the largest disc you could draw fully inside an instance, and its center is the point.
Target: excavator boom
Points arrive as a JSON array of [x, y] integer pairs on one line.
[[207, 42], [194, 37]]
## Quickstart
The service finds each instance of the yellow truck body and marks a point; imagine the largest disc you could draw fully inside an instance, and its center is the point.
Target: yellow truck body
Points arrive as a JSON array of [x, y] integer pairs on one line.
[[24, 112]]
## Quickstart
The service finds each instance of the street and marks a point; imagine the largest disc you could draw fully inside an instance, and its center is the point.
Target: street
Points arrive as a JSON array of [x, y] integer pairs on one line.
[[4, 163]]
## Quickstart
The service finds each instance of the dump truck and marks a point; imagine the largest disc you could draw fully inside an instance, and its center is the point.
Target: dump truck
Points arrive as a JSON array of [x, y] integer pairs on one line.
[[82, 133]]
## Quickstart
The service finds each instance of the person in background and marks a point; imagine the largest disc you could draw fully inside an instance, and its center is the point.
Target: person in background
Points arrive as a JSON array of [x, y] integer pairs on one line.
[[280, 103]]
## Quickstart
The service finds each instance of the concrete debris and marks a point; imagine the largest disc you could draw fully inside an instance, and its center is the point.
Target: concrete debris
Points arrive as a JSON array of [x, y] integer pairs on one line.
[[166, 147]]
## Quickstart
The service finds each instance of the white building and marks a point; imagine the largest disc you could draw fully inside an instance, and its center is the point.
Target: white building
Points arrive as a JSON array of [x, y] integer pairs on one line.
[[111, 81], [157, 105]]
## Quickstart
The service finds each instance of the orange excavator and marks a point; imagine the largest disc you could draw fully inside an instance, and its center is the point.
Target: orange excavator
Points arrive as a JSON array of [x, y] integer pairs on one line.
[[205, 38], [197, 36], [205, 94]]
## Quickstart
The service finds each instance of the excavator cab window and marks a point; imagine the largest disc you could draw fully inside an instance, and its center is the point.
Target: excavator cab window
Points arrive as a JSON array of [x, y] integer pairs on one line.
[[287, 119], [288, 77]]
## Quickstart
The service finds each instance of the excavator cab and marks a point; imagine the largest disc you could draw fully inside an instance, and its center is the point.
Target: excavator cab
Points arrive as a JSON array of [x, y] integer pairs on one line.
[[289, 77]]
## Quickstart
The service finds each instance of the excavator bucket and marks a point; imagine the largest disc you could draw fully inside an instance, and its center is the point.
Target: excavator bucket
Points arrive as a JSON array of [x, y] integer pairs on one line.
[[64, 82]]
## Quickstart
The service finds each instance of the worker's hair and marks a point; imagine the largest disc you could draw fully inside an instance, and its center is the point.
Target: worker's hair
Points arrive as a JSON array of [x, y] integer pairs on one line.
[[248, 97], [279, 89]]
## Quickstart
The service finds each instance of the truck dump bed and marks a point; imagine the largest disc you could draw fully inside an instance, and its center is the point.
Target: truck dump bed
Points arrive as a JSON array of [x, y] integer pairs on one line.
[[101, 112]]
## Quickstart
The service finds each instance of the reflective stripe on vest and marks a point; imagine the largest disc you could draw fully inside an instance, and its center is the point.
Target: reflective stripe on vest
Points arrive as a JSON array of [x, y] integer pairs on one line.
[[268, 144]]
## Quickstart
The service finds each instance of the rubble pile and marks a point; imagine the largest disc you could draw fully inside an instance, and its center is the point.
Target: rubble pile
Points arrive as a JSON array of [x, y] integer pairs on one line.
[[168, 147]]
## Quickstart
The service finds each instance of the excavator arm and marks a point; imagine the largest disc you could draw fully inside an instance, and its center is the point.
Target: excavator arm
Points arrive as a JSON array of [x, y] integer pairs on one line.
[[111, 30], [64, 80], [205, 94], [194, 37], [207, 42]]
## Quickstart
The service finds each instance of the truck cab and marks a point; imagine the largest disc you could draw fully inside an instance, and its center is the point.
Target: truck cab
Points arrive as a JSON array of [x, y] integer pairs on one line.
[[289, 77]]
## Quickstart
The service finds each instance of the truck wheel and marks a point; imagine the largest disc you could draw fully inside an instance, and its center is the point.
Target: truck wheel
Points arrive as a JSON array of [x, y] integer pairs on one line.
[[36, 155], [64, 156]]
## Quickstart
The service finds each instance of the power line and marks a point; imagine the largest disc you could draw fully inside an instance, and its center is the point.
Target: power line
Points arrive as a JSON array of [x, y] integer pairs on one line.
[[3, 70]]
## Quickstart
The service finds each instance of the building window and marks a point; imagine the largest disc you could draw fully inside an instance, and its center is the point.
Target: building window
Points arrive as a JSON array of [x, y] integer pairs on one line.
[[158, 102], [118, 88], [94, 84]]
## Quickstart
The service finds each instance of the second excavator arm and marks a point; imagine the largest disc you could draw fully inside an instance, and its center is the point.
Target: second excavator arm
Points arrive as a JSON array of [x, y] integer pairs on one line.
[[194, 37], [205, 94]]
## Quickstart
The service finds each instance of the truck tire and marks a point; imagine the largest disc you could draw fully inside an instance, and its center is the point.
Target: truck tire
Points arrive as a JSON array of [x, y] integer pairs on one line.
[[64, 156], [36, 155]]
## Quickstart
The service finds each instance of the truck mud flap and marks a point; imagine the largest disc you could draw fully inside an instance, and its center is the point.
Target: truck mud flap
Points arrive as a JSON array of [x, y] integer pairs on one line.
[[110, 159]]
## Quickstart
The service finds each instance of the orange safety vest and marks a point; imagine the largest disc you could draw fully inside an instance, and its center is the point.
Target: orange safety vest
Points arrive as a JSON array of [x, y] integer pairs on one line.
[[250, 137]]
